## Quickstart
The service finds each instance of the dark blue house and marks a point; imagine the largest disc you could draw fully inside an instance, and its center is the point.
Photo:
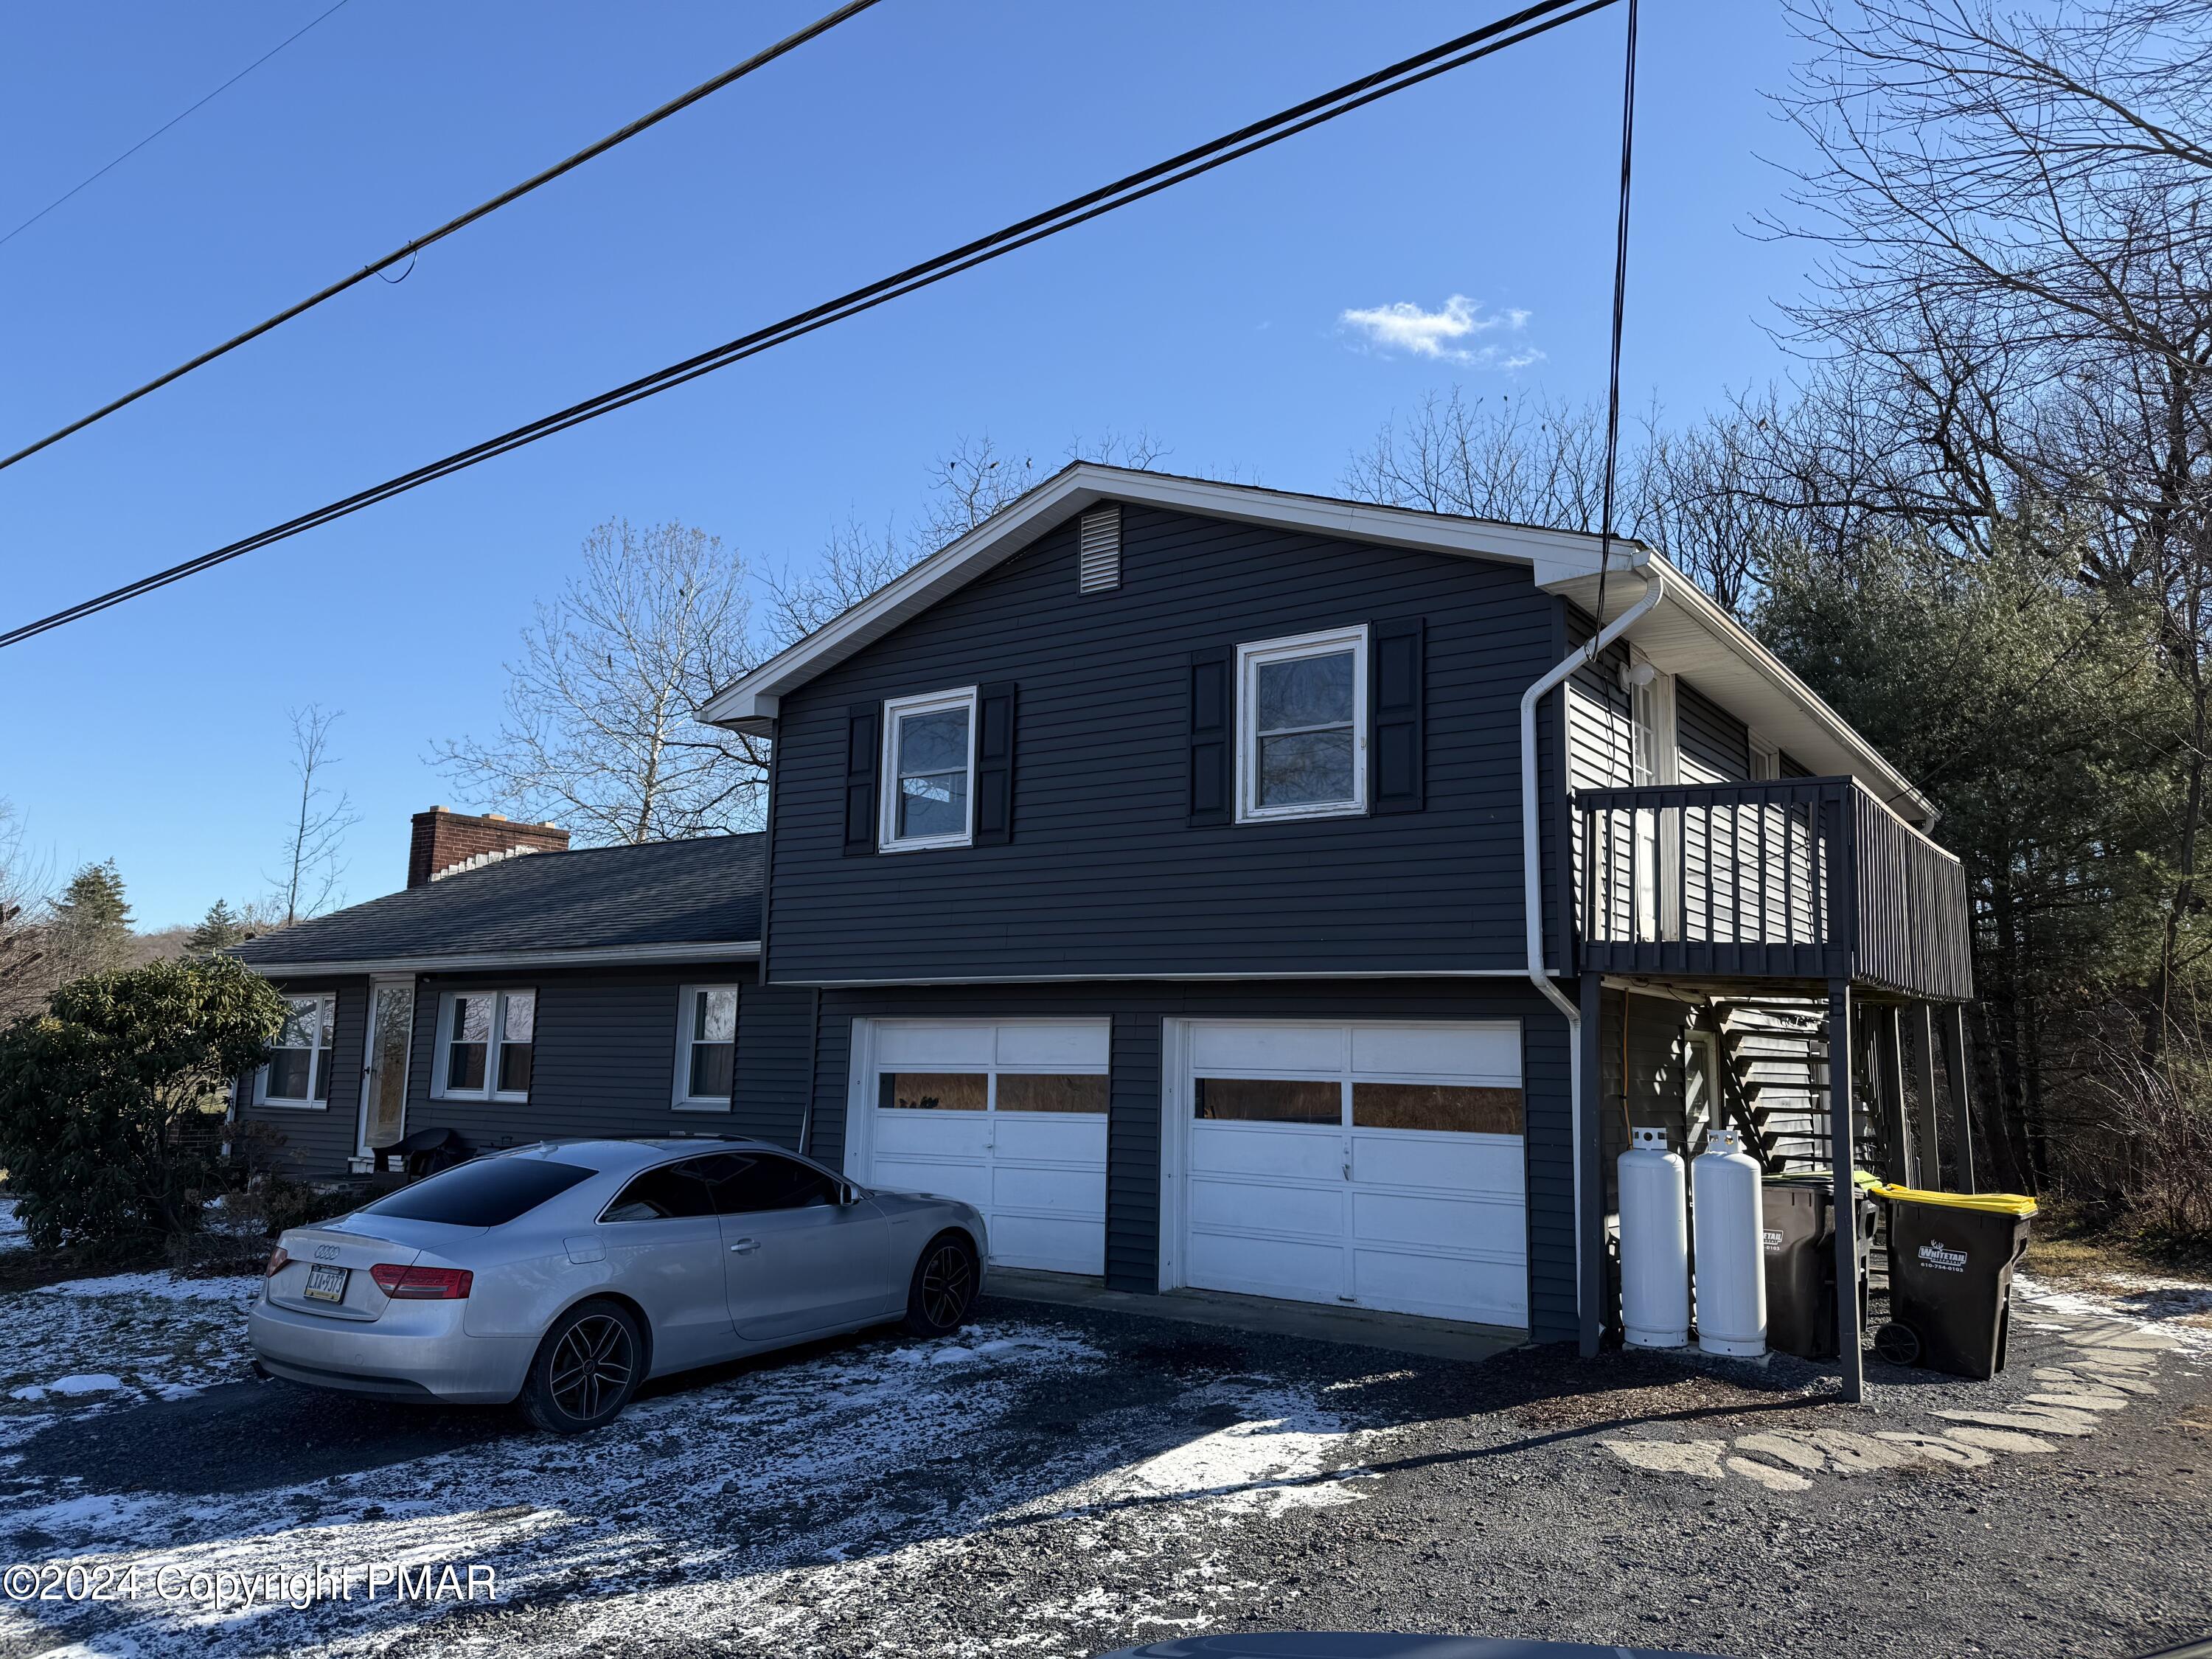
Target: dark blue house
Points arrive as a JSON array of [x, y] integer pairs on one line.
[[1238, 890]]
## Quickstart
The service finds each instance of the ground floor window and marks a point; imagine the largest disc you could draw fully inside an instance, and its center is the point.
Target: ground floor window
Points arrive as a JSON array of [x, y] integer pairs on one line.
[[298, 1069], [487, 1041], [706, 1047]]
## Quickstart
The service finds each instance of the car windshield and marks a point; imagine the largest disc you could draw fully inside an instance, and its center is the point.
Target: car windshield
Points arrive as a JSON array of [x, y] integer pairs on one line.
[[488, 1193]]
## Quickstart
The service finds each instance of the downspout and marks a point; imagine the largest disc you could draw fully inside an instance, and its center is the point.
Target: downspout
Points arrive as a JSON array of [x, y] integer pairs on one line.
[[1532, 869]]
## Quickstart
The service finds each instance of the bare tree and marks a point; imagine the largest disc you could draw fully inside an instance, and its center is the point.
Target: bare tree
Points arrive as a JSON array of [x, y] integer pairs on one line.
[[311, 863], [27, 964], [603, 730], [966, 486]]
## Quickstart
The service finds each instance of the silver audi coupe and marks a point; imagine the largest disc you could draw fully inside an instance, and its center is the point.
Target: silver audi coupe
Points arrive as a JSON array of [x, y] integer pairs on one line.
[[564, 1274]]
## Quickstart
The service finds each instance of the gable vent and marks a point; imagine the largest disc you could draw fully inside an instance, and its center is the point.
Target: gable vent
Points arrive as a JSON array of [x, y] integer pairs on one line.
[[1100, 567]]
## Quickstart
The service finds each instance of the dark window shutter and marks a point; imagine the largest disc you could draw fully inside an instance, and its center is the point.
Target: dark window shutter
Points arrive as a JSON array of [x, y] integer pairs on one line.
[[1212, 754], [864, 724], [995, 764], [1394, 706]]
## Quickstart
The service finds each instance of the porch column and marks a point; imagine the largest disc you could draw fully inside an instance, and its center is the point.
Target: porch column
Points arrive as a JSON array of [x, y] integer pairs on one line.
[[1589, 1153], [1898, 1152], [1962, 1093], [1846, 1193], [1929, 1172]]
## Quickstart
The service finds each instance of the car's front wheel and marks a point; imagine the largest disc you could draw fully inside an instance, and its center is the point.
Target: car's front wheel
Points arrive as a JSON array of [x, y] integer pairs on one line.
[[943, 1289], [587, 1368]]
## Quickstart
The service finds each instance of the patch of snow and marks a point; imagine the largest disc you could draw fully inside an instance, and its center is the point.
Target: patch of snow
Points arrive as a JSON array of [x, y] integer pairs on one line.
[[238, 1288], [13, 1234], [2138, 1311]]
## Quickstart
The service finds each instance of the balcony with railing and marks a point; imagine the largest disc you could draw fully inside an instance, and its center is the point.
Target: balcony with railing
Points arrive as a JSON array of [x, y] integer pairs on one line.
[[1792, 878]]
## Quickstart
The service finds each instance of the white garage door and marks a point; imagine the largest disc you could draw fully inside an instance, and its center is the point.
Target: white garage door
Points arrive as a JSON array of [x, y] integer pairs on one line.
[[1009, 1115], [1374, 1165]]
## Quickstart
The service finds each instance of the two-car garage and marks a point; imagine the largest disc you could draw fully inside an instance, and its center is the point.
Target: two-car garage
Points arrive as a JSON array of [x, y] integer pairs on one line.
[[1375, 1164]]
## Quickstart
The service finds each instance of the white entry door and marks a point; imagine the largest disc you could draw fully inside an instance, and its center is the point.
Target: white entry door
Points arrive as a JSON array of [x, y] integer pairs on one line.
[[383, 1063], [1374, 1165], [1009, 1115]]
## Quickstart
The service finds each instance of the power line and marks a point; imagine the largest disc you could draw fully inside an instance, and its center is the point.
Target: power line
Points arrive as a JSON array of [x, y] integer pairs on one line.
[[1620, 309], [1452, 54], [408, 251], [167, 124]]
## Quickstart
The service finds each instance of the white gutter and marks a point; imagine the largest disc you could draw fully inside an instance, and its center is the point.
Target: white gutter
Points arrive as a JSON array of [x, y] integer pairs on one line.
[[1532, 873]]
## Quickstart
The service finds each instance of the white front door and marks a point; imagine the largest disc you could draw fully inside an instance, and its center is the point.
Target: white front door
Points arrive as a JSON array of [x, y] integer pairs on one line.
[[1373, 1164], [1009, 1115], [383, 1063]]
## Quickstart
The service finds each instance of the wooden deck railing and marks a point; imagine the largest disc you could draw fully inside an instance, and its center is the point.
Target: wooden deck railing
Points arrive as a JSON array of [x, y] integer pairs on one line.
[[1805, 878]]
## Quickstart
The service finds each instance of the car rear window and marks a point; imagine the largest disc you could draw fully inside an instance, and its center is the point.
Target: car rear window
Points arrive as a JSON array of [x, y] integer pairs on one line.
[[488, 1193]]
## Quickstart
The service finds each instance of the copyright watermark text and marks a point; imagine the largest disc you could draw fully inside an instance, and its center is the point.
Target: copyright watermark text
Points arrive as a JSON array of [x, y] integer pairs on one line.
[[238, 1590]]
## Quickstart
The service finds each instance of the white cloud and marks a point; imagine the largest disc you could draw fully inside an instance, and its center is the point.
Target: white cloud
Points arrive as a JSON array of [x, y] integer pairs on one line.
[[1453, 334]]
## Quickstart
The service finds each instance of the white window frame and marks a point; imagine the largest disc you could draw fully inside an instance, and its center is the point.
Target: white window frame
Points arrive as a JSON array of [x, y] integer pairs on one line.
[[1766, 760], [684, 1100], [888, 839], [1249, 660], [318, 1054], [442, 1056]]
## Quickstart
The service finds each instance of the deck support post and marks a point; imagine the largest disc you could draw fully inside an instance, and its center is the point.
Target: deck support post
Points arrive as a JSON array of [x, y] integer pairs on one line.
[[1961, 1093], [1589, 1158], [1929, 1166], [1847, 1191], [1900, 1154]]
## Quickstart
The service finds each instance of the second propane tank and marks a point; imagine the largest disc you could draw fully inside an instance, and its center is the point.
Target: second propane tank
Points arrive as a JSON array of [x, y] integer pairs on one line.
[[1654, 1244], [1726, 1215]]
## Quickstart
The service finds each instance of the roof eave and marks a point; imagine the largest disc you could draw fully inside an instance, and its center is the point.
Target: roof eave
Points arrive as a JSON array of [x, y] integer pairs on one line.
[[751, 703], [616, 956]]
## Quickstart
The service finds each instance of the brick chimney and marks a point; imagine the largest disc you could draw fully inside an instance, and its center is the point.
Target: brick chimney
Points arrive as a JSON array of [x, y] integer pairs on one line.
[[446, 842]]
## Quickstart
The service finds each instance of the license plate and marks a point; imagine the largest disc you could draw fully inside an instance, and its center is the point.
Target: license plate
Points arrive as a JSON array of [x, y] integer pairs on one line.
[[327, 1284]]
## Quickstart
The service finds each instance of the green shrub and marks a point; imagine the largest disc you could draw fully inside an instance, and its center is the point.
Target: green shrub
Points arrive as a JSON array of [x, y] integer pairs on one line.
[[109, 1104]]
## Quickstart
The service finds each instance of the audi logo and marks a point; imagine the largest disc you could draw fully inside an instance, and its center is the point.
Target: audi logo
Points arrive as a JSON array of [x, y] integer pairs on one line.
[[326, 1252]]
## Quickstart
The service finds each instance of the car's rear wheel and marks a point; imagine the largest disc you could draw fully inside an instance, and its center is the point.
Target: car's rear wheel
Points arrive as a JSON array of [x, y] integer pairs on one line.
[[588, 1367], [944, 1288]]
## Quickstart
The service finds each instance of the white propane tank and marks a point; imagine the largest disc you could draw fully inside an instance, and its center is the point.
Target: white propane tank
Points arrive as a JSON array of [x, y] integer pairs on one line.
[[1731, 1263], [1654, 1244]]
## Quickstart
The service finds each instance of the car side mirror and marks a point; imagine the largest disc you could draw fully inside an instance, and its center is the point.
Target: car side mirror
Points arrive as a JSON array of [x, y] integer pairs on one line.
[[848, 1193]]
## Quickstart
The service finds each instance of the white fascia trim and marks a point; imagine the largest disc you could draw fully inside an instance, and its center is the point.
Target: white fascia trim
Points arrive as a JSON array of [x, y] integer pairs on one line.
[[1732, 634], [1139, 979], [644, 956], [749, 703]]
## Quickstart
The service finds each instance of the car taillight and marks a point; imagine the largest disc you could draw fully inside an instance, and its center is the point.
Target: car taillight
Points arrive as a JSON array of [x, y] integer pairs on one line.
[[277, 1258], [422, 1284]]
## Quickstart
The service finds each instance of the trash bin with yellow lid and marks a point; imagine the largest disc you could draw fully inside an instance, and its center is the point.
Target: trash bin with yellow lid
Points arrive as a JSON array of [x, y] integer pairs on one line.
[[1951, 1261]]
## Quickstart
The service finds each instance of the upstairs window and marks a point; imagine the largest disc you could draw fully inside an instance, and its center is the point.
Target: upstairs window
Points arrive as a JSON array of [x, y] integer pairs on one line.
[[929, 768], [298, 1069], [1302, 726], [486, 1044], [706, 1048]]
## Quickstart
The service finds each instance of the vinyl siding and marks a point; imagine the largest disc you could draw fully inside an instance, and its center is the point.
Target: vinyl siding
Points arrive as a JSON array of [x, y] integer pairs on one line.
[[1104, 876], [1600, 746], [319, 1139], [1137, 1009], [1716, 746]]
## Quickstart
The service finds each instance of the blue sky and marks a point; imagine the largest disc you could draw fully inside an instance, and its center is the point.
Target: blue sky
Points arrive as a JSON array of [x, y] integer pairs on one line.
[[1211, 316]]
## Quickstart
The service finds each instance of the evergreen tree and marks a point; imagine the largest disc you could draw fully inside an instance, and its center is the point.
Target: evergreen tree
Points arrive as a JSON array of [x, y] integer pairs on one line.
[[218, 930], [91, 921]]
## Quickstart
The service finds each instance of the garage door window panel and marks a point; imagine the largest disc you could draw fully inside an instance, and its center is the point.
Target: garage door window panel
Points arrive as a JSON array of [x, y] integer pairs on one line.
[[1020, 1091], [1268, 1100], [934, 1091], [1454, 1108]]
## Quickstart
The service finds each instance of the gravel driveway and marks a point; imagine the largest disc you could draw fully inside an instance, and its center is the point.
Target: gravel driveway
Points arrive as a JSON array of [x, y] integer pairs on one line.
[[1057, 1481]]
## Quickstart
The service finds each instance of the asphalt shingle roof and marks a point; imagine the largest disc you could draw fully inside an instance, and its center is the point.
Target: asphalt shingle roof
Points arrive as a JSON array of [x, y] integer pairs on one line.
[[675, 893]]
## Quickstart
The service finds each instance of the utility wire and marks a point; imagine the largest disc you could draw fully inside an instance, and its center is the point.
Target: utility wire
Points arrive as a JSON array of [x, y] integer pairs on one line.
[[167, 124], [408, 251], [1620, 306], [1495, 37]]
